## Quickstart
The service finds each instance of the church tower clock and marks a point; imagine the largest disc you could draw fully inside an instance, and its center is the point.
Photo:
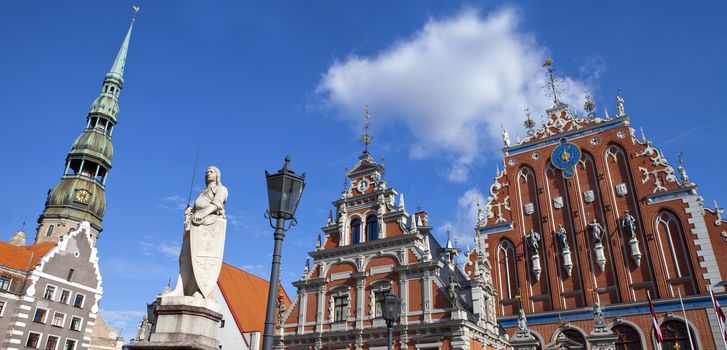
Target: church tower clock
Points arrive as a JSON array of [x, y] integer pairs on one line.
[[80, 193]]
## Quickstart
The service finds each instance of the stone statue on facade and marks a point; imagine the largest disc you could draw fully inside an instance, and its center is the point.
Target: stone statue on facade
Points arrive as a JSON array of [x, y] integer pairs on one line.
[[598, 314], [281, 309], [522, 321], [629, 225], [205, 226], [562, 237], [453, 290], [533, 240], [619, 106], [597, 231]]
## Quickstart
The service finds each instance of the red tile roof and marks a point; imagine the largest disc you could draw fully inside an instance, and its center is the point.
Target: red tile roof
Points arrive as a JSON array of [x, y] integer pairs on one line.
[[246, 295], [23, 258]]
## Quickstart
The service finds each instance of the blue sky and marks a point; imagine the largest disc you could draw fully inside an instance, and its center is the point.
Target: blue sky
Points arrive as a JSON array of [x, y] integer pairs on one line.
[[251, 82]]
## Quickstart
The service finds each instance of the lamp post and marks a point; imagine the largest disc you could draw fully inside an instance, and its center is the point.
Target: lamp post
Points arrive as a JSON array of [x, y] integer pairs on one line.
[[284, 191], [392, 309]]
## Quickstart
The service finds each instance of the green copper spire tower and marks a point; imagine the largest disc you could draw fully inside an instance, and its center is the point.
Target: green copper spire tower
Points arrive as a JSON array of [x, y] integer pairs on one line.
[[80, 194]]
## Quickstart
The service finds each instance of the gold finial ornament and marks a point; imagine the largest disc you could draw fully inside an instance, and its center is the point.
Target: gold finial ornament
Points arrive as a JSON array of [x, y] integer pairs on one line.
[[529, 123], [548, 62], [136, 10], [366, 138], [589, 105]]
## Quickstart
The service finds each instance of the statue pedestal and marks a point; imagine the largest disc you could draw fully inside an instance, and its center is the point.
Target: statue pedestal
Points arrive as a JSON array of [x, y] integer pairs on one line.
[[524, 340], [602, 339], [184, 322]]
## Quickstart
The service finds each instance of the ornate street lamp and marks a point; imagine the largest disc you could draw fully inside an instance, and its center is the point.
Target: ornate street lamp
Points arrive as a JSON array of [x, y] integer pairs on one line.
[[284, 191], [392, 309]]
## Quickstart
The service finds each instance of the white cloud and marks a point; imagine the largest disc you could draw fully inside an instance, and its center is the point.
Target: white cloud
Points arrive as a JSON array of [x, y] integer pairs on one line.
[[174, 202], [171, 249], [453, 84], [465, 219], [122, 319]]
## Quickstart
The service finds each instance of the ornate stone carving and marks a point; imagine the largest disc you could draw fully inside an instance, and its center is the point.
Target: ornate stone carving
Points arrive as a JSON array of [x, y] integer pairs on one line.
[[453, 290], [533, 241], [589, 196], [205, 226], [562, 236], [522, 321], [628, 223]]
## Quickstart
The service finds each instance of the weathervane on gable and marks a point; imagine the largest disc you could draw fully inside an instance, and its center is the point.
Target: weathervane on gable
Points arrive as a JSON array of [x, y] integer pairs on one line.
[[136, 10], [366, 138], [552, 82]]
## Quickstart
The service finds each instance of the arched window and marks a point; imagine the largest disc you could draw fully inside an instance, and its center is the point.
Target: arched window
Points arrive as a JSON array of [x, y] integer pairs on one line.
[[49, 231], [671, 238], [355, 231], [628, 338], [576, 337], [675, 332], [372, 228], [507, 271]]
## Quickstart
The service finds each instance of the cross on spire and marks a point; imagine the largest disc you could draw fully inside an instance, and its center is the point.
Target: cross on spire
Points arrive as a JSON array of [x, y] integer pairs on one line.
[[366, 138]]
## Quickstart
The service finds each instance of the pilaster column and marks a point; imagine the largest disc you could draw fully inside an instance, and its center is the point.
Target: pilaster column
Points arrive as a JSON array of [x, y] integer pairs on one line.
[[404, 296], [427, 296], [321, 308], [303, 298], [360, 278]]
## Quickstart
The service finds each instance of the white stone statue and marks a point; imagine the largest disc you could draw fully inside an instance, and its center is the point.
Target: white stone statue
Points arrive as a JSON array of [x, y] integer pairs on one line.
[[205, 226]]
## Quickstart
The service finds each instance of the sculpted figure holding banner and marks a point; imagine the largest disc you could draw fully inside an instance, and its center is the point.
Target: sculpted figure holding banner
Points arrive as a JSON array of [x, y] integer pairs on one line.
[[205, 226]]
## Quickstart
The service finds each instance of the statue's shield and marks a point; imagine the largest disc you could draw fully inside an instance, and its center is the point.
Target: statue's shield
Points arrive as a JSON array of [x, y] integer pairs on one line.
[[207, 243]]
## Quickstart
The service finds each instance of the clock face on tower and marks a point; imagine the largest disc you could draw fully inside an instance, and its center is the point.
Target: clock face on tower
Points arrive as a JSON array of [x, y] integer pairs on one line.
[[82, 196]]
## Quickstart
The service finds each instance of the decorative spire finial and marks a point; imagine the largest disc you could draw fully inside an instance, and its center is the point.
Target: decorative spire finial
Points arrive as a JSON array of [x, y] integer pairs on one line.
[[683, 172], [549, 62], [366, 138], [136, 11], [345, 178], [22, 227], [529, 123], [589, 105], [619, 104]]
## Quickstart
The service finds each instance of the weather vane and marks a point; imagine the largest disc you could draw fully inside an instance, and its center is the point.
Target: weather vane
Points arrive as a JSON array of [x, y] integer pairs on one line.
[[136, 10], [366, 138], [529, 123], [553, 84], [345, 178]]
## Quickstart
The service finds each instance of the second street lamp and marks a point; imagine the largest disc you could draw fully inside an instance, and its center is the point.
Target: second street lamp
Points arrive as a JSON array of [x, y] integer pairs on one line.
[[284, 191], [392, 310]]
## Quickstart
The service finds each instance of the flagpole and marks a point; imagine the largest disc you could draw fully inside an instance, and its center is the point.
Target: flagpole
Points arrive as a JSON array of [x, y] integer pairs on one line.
[[655, 324], [684, 312], [719, 319]]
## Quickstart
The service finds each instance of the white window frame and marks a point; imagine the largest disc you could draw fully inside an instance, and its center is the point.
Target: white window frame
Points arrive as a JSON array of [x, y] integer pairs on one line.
[[80, 327], [47, 338], [45, 319], [83, 303], [70, 296], [75, 344], [40, 340], [10, 283], [3, 306], [63, 322], [55, 289]]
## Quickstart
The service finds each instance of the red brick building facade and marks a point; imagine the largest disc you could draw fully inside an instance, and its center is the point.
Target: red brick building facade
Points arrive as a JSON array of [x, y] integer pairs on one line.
[[372, 246], [586, 211]]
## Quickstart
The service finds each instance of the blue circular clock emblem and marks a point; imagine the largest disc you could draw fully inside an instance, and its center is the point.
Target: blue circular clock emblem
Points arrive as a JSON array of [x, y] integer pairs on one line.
[[565, 157]]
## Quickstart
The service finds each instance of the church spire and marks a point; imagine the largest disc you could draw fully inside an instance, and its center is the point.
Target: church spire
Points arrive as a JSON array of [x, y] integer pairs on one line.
[[117, 69], [80, 193]]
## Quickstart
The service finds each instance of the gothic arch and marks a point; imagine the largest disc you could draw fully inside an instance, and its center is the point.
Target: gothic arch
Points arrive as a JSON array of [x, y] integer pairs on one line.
[[507, 276], [570, 327], [674, 247]]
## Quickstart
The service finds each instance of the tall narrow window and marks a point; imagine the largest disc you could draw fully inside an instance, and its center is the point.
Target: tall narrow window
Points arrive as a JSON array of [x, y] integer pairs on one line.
[[355, 231], [674, 248], [507, 271], [380, 300], [372, 228], [340, 308], [49, 231], [70, 275]]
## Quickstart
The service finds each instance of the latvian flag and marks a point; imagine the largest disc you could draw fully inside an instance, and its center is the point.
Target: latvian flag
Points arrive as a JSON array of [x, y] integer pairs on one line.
[[655, 322], [720, 314]]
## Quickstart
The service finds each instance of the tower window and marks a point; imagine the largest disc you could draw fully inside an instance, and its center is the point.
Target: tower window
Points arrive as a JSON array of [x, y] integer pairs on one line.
[[49, 231], [372, 228], [355, 231], [112, 89], [105, 88], [70, 277]]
